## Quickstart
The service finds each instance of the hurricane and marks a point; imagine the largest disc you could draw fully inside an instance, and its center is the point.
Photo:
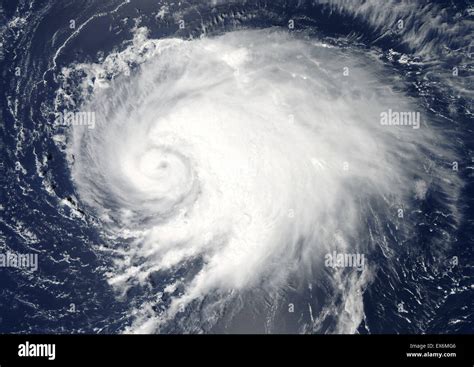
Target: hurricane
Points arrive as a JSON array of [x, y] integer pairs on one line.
[[228, 167]]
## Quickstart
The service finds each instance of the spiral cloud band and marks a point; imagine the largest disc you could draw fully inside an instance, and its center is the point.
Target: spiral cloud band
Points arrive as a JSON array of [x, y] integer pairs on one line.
[[239, 162]]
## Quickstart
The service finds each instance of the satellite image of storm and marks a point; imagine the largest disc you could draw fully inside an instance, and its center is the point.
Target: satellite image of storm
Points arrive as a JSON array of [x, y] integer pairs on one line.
[[236, 167]]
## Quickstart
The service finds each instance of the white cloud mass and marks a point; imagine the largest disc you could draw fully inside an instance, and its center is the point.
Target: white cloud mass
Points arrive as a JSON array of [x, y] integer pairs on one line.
[[250, 151]]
